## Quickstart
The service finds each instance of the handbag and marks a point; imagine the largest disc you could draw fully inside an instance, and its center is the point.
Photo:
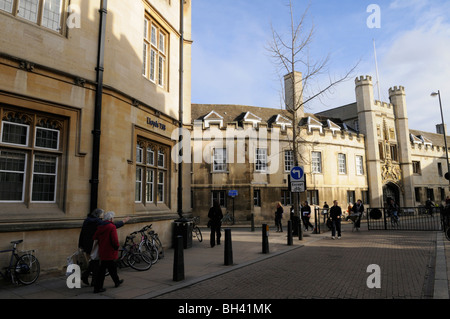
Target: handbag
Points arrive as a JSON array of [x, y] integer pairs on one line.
[[94, 251]]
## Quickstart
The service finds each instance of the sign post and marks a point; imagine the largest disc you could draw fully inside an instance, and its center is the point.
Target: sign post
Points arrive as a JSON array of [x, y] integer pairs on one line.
[[233, 194]]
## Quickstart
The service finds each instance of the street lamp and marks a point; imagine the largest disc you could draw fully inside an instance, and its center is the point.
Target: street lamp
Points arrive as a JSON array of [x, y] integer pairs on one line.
[[443, 132]]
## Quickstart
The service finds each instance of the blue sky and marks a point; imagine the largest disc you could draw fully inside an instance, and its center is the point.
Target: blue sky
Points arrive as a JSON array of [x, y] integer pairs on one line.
[[231, 63]]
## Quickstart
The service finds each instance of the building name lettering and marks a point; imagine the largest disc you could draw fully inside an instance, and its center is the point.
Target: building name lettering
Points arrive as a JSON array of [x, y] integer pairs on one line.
[[156, 124]]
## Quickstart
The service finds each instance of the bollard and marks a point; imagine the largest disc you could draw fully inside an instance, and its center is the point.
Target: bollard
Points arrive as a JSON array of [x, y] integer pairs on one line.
[[253, 222], [228, 254], [265, 239], [178, 260], [300, 229], [289, 236]]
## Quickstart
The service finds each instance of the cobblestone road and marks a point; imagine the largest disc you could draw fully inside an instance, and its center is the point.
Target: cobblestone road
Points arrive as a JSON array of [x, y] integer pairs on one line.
[[331, 269]]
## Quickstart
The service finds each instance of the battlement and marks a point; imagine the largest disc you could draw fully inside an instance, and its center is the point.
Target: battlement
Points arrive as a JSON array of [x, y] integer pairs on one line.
[[383, 104], [396, 90], [363, 80]]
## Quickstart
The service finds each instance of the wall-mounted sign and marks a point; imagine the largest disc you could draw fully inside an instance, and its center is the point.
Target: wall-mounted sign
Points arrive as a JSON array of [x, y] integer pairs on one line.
[[156, 124]]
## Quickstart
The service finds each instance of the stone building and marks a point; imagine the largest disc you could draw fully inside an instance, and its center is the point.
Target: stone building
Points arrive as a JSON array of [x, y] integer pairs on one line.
[[364, 150], [89, 97]]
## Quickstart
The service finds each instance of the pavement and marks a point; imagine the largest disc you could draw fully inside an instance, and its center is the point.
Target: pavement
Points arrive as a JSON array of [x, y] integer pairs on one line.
[[202, 263]]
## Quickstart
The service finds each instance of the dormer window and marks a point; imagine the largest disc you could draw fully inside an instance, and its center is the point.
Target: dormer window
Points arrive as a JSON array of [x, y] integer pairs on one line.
[[333, 126], [213, 118], [314, 124], [283, 122], [250, 117], [415, 139]]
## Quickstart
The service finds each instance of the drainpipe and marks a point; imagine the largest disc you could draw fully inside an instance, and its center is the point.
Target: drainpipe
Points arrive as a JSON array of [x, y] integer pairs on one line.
[[98, 108], [180, 137]]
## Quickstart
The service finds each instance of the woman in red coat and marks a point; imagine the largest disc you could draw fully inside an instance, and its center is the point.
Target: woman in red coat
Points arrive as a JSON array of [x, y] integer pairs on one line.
[[108, 250]]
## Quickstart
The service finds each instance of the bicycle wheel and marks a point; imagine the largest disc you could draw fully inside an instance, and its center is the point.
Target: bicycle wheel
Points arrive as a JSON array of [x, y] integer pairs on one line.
[[198, 233], [149, 250], [27, 269], [159, 246], [138, 261]]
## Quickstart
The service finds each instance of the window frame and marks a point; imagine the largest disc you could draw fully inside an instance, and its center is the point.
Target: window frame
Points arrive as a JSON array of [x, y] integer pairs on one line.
[[155, 52], [261, 160], [40, 14], [342, 166], [314, 164]]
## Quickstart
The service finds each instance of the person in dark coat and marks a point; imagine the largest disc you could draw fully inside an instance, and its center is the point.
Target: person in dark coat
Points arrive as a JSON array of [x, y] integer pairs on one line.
[[85, 241], [278, 217], [336, 215], [306, 215], [215, 220], [108, 250], [357, 213]]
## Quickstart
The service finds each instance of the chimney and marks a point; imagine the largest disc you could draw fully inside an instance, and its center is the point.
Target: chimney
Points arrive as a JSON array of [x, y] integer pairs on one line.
[[293, 89]]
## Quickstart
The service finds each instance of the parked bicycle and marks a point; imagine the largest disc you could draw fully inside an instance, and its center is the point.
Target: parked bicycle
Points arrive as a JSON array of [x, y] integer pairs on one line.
[[24, 268], [148, 243], [131, 255], [196, 232]]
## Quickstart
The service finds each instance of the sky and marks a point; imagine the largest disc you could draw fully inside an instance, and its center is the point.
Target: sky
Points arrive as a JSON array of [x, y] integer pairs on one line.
[[231, 63]]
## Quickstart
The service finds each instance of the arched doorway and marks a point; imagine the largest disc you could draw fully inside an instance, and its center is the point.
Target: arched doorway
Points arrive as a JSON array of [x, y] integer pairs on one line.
[[390, 190]]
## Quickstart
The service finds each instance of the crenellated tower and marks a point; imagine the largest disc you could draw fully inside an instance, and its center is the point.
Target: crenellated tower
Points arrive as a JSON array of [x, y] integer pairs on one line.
[[397, 97], [366, 109]]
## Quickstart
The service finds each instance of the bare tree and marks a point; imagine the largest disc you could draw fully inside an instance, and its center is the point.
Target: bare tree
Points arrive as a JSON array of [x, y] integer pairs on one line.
[[291, 55]]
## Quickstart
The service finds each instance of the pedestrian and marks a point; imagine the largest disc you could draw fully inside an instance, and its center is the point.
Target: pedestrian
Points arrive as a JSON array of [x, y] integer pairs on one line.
[[85, 242], [306, 215], [357, 212], [278, 217], [108, 250], [393, 208], [325, 209], [429, 205], [215, 221], [336, 215]]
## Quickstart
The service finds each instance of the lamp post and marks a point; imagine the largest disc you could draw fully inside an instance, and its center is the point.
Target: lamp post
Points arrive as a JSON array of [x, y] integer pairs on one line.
[[443, 132]]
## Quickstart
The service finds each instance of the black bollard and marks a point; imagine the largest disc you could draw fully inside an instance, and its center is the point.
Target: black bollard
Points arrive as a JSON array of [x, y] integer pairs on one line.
[[253, 222], [228, 254], [300, 229], [289, 236], [178, 260], [265, 239]]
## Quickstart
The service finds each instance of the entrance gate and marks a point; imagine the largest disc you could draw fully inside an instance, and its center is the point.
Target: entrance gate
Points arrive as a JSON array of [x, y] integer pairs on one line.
[[412, 218]]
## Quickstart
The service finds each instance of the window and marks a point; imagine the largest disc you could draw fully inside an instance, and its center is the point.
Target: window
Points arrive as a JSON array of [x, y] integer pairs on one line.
[[154, 52], [286, 199], [359, 165], [365, 197], [219, 160], [257, 197], [442, 193], [288, 160], [46, 13], [430, 194], [342, 164], [417, 193], [351, 197], [416, 167], [394, 154], [313, 197], [29, 162], [220, 196], [151, 172], [381, 150], [439, 167], [261, 160], [316, 162]]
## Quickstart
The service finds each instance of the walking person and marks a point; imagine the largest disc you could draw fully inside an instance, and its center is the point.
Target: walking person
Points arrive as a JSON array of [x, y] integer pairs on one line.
[[278, 217], [357, 212], [215, 221], [306, 215], [108, 250], [85, 242], [336, 215]]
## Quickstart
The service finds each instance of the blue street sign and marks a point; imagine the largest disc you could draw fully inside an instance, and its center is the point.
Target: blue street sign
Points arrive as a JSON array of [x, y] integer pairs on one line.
[[232, 193], [297, 173]]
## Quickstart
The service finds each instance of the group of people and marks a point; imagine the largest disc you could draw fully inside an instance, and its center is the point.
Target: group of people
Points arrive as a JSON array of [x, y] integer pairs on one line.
[[99, 229]]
